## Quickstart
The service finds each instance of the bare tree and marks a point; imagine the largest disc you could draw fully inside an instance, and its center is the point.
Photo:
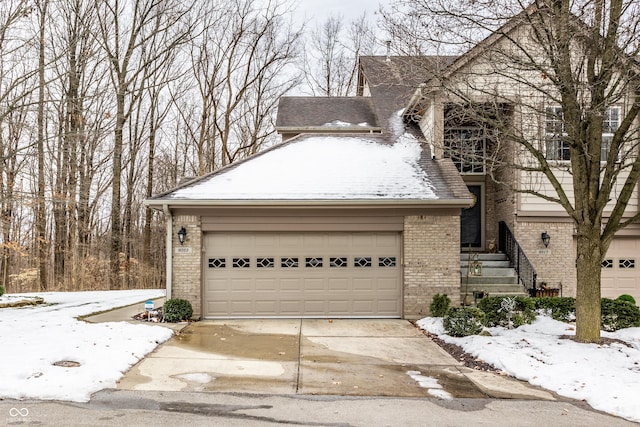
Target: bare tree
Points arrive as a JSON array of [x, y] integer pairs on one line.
[[569, 67], [126, 31], [330, 64], [239, 71]]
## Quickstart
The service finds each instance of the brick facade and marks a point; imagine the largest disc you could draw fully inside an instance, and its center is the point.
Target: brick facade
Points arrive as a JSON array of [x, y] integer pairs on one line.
[[555, 264], [186, 280], [431, 262]]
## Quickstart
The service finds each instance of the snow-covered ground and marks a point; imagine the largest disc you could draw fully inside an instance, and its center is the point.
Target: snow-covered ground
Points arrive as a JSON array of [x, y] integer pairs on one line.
[[605, 376], [33, 338]]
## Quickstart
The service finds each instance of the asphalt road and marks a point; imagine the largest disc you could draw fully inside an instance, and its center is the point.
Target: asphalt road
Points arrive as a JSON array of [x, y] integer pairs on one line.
[[147, 408]]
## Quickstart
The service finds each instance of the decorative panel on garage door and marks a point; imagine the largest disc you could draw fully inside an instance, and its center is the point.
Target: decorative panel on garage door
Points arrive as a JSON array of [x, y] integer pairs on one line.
[[302, 275], [621, 268]]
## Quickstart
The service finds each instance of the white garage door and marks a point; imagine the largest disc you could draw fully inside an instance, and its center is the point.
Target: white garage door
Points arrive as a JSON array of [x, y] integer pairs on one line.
[[621, 269], [302, 275]]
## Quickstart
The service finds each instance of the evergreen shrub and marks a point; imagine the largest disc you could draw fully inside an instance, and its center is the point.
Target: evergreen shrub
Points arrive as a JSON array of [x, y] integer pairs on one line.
[[177, 310]]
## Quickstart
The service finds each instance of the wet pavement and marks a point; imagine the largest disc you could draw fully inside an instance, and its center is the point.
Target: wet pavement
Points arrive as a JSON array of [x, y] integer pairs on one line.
[[346, 357]]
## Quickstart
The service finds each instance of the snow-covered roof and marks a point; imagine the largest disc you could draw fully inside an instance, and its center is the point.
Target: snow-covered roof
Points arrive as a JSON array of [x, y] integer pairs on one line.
[[320, 168]]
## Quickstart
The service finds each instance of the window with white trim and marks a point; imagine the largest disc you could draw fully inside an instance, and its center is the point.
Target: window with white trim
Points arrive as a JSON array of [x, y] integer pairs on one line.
[[557, 146], [466, 147]]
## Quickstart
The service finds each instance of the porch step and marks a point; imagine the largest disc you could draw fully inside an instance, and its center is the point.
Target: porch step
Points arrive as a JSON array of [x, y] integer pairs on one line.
[[496, 278]]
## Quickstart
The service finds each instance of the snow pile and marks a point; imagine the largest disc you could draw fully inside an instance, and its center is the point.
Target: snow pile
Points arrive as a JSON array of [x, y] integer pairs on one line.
[[322, 168], [33, 338], [606, 376]]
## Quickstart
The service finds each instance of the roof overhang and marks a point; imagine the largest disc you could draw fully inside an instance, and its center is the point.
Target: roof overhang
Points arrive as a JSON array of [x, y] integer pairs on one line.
[[302, 204], [329, 129]]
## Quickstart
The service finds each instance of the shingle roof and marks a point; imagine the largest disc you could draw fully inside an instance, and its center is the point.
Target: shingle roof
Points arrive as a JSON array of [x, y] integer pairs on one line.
[[300, 112], [337, 168], [392, 80]]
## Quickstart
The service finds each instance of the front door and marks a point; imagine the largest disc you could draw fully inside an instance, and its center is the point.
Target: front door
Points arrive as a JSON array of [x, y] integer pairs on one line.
[[471, 221]]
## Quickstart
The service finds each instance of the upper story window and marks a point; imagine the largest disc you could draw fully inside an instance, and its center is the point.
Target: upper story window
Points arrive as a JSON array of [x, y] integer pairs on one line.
[[557, 147], [466, 147]]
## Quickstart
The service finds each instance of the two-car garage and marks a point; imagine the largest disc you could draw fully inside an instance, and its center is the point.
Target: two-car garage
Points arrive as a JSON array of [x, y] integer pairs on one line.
[[302, 274]]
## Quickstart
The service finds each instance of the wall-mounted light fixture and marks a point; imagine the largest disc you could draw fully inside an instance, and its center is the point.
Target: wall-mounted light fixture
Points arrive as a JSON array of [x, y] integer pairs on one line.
[[545, 238], [182, 235]]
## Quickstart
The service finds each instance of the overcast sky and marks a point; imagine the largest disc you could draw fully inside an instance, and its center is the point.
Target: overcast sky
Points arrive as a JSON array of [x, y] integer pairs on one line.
[[349, 9]]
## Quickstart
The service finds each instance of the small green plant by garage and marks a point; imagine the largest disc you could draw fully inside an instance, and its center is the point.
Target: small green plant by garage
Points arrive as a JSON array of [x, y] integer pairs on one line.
[[463, 321], [623, 297], [177, 310], [439, 305], [618, 314]]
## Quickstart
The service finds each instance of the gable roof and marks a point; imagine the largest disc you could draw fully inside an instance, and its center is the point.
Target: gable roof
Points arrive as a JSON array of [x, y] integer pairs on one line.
[[326, 169], [302, 113]]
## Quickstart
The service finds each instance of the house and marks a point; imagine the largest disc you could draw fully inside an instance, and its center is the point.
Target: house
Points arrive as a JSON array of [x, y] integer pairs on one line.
[[364, 208]]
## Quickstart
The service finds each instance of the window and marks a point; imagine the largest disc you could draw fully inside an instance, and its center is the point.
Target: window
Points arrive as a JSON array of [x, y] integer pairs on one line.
[[265, 263], [338, 262], [626, 263], [241, 263], [557, 146], [466, 147], [610, 125], [290, 262], [364, 261], [313, 262], [556, 134], [217, 262]]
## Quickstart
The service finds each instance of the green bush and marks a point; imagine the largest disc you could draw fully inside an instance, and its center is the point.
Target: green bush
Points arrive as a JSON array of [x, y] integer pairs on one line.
[[440, 305], [463, 321], [177, 310], [1, 290], [623, 297], [559, 308], [618, 314], [497, 315]]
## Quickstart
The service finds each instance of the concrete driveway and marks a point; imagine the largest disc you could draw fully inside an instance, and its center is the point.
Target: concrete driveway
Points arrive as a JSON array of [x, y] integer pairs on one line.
[[303, 356]]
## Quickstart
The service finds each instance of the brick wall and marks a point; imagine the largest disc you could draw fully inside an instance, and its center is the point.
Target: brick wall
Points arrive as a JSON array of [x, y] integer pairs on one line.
[[555, 264], [431, 262], [187, 262]]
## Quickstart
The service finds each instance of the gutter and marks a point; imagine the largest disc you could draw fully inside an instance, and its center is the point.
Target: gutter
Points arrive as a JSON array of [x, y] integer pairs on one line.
[[169, 252], [329, 130], [416, 203]]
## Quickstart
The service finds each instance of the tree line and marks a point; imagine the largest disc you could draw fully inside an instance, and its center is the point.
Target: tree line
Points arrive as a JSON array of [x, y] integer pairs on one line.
[[106, 103]]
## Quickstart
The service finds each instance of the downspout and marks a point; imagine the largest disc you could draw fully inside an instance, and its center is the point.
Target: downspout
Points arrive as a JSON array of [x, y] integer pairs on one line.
[[169, 244]]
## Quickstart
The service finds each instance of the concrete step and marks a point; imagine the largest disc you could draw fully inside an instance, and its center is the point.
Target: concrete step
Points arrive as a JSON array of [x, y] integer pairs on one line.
[[494, 288], [480, 280], [482, 257], [487, 264], [491, 271]]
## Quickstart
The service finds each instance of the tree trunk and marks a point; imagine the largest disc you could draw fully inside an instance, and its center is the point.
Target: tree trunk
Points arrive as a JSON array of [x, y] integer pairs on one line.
[[588, 267], [41, 219], [116, 226]]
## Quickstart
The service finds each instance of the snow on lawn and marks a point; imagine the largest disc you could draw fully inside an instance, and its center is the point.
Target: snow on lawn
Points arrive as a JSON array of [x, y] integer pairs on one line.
[[606, 376], [33, 338]]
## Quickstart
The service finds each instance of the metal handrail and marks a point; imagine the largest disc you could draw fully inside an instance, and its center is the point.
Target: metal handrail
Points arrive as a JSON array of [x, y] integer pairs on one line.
[[518, 260]]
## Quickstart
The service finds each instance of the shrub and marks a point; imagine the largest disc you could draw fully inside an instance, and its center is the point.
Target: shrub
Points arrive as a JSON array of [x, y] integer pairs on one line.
[[618, 314], [463, 321], [176, 310], [623, 297], [439, 305], [1, 290], [497, 315], [559, 308]]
